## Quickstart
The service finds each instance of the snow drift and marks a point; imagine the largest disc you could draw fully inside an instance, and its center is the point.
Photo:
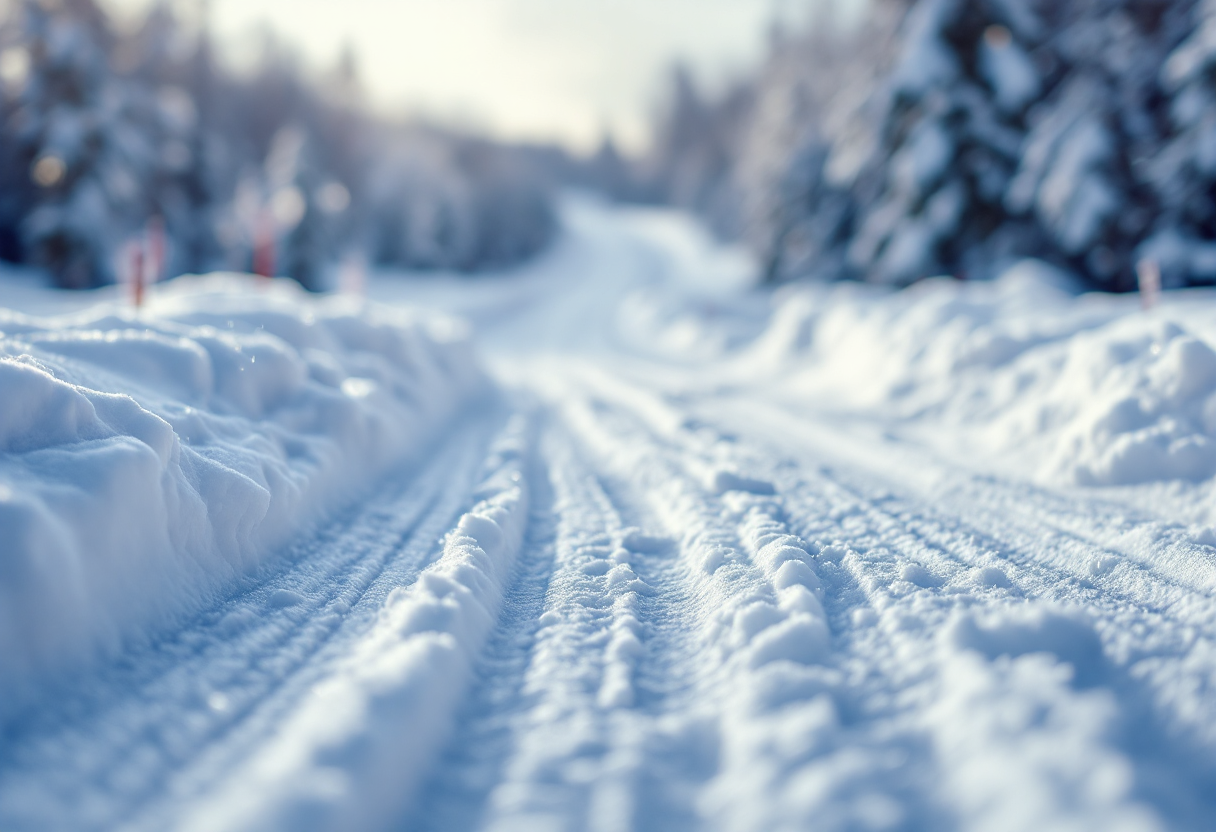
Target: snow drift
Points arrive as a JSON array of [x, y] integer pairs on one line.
[[1085, 390], [148, 462]]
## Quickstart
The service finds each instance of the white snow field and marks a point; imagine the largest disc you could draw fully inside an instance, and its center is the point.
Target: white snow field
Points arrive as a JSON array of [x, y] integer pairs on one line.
[[683, 556]]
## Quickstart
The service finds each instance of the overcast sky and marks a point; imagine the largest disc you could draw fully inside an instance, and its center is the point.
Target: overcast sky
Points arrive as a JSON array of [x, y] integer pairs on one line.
[[537, 69]]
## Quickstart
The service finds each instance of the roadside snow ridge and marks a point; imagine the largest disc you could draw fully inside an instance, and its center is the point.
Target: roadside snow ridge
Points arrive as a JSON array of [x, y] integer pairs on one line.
[[148, 462]]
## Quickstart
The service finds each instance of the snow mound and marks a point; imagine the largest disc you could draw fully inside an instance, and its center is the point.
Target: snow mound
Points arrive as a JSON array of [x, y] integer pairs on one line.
[[1139, 406], [1088, 390], [148, 462]]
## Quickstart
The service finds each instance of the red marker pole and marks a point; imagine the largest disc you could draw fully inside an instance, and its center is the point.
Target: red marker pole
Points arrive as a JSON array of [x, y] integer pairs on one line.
[[136, 274], [263, 247]]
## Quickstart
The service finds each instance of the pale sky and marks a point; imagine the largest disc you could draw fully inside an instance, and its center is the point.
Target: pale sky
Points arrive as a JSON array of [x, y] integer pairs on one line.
[[532, 69]]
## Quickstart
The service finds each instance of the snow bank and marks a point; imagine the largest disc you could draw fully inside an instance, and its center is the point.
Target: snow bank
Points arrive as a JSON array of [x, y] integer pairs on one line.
[[1087, 390], [148, 462]]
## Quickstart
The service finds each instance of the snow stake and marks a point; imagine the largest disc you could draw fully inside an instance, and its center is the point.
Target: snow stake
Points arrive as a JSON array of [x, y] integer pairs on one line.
[[263, 247], [1148, 280], [135, 273]]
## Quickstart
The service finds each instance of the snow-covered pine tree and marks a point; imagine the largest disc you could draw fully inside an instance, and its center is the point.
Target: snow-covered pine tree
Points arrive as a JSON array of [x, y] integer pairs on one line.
[[609, 172], [951, 127], [300, 207], [422, 208], [512, 214], [696, 142], [439, 201], [107, 130], [171, 65], [1182, 174], [340, 146], [806, 136], [80, 141], [1093, 138], [16, 187]]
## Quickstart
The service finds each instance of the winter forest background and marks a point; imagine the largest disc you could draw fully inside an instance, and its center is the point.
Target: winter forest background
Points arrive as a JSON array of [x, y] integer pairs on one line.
[[910, 140]]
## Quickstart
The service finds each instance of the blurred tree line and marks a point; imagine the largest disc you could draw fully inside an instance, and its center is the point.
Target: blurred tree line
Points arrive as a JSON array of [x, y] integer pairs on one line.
[[105, 128], [953, 136]]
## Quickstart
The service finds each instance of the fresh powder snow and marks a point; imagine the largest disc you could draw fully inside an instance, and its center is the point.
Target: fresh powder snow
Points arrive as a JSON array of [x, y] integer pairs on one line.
[[610, 542]]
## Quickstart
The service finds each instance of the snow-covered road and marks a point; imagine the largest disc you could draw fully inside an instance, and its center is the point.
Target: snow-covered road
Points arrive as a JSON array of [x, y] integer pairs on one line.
[[645, 586]]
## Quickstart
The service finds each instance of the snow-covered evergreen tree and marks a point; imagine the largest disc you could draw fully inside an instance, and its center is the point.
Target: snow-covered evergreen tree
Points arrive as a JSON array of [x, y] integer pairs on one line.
[[696, 143], [16, 186], [441, 202], [806, 139], [81, 143], [1182, 173], [513, 215], [420, 207], [950, 135], [1085, 171], [1077, 132], [103, 131], [302, 208], [172, 68]]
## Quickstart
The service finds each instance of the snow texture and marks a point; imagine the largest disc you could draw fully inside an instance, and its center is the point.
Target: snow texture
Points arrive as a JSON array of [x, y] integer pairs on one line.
[[150, 462], [1089, 391], [839, 557]]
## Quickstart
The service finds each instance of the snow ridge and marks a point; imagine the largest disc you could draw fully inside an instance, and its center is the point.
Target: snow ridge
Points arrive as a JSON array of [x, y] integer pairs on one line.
[[1088, 391], [353, 754], [149, 463]]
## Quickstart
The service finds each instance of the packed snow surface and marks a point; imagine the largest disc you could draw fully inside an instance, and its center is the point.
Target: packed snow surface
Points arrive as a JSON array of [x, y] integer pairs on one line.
[[694, 557]]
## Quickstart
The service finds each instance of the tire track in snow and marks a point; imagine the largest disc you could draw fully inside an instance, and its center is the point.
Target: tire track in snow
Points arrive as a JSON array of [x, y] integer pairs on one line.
[[762, 648], [926, 571], [619, 633], [354, 752], [455, 797], [649, 643], [569, 708], [942, 546], [164, 723], [1135, 614], [768, 636], [699, 634]]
